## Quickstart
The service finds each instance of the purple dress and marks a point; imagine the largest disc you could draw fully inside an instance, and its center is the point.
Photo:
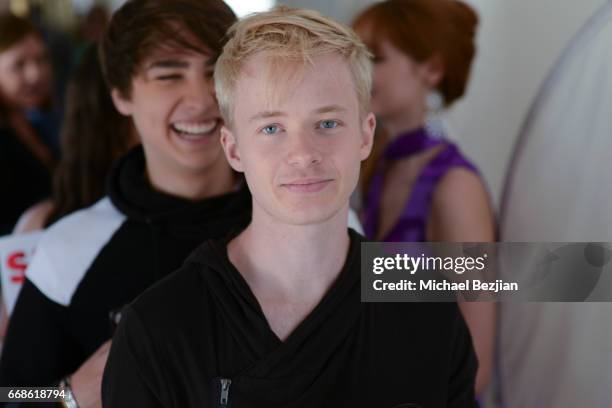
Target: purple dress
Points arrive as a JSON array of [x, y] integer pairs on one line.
[[412, 223]]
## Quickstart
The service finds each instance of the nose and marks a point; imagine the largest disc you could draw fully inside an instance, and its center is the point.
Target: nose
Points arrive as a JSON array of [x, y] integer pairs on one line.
[[33, 71], [200, 94], [303, 151]]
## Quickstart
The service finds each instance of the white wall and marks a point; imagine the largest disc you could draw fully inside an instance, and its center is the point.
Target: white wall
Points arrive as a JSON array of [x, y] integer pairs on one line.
[[341, 10], [518, 41]]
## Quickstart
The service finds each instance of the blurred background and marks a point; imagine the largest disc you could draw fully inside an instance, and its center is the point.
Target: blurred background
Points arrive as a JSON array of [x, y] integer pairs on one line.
[[518, 44]]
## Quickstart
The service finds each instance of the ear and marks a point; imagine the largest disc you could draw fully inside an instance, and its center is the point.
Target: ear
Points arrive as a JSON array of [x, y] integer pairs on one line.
[[433, 70], [230, 147], [368, 127], [123, 105]]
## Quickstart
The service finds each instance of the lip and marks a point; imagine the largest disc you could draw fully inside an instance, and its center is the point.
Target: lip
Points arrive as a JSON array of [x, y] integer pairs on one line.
[[307, 185], [194, 140]]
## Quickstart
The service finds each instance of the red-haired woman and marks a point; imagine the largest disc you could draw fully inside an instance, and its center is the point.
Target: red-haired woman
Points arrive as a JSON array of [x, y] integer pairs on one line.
[[417, 185]]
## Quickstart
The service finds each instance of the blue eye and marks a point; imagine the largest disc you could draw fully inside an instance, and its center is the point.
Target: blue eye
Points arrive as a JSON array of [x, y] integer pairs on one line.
[[270, 129], [328, 124]]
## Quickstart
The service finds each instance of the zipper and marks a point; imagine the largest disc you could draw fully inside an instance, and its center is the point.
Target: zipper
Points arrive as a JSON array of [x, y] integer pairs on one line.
[[224, 390]]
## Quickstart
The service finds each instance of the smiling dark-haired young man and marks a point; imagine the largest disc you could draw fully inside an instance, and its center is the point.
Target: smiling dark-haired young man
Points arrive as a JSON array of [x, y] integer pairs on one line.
[[271, 317], [164, 198]]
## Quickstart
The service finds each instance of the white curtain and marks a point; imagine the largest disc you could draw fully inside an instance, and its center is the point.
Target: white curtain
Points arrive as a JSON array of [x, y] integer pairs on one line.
[[559, 189]]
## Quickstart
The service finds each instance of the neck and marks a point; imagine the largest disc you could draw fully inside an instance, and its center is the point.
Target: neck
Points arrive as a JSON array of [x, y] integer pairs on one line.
[[297, 262], [193, 185], [404, 122]]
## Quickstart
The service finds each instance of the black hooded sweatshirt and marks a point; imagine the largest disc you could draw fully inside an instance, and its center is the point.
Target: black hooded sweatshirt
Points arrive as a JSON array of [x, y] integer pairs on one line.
[[93, 262], [199, 339]]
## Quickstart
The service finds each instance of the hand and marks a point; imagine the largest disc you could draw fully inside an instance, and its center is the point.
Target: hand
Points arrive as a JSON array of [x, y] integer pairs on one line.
[[86, 382]]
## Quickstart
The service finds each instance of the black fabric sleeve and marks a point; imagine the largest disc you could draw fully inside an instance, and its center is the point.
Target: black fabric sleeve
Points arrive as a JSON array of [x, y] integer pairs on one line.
[[132, 377], [463, 368], [37, 348]]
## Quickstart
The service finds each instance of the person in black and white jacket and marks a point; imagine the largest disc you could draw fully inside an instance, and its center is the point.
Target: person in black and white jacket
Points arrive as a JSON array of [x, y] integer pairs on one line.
[[164, 198]]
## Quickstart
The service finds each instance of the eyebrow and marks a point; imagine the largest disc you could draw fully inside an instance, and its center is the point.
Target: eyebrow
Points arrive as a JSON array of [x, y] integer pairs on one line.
[[266, 114], [274, 114], [168, 63], [330, 108]]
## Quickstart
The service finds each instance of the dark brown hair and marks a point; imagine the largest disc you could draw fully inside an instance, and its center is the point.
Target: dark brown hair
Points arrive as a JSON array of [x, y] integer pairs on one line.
[[423, 29], [13, 29], [93, 136], [141, 26]]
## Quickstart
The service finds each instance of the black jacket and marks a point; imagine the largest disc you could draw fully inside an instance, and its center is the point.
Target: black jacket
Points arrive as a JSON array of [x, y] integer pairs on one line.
[[200, 339], [95, 261], [23, 178]]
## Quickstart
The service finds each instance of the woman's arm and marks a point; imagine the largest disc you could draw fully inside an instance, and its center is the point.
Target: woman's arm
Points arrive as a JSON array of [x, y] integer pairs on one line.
[[34, 218], [461, 212]]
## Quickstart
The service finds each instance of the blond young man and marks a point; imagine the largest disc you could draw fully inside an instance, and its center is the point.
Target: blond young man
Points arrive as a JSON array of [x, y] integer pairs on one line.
[[272, 317]]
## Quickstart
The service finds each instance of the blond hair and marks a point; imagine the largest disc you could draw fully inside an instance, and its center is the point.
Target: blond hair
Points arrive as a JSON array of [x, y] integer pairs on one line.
[[290, 35]]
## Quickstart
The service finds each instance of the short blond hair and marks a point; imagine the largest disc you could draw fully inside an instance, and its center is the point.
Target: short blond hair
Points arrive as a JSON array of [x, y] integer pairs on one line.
[[290, 35]]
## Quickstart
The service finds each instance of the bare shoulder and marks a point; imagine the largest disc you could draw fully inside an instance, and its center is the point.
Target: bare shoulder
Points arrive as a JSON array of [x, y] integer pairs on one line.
[[461, 208], [460, 182], [34, 218]]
